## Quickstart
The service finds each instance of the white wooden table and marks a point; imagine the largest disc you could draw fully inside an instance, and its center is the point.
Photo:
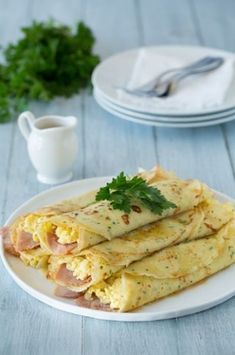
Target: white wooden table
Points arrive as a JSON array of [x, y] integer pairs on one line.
[[107, 146]]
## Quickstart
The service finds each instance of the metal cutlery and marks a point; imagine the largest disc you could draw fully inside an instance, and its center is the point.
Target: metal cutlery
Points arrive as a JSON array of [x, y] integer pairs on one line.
[[165, 83]]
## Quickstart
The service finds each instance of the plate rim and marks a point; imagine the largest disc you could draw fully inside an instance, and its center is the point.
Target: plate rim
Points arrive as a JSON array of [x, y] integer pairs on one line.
[[163, 118], [96, 314], [158, 123], [173, 47]]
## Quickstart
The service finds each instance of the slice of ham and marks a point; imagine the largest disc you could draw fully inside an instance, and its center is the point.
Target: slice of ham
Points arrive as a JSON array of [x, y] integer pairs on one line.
[[94, 303], [62, 291], [7, 243], [25, 241], [66, 277], [58, 248]]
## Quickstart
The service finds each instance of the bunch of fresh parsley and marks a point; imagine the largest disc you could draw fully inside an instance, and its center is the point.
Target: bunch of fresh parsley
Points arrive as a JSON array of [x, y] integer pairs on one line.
[[123, 192], [48, 61]]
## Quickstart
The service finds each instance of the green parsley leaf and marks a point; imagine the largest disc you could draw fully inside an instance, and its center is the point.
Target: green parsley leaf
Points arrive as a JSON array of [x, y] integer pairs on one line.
[[123, 192], [49, 60]]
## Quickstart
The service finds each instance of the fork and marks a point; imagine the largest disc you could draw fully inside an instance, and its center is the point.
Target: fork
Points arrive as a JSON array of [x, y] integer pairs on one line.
[[161, 87]]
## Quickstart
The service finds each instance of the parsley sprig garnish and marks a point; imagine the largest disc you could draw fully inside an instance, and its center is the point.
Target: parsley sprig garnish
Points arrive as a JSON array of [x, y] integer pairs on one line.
[[49, 60], [123, 192]]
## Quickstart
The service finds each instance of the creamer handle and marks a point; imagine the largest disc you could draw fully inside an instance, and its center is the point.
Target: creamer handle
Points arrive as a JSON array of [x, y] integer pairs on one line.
[[25, 122]]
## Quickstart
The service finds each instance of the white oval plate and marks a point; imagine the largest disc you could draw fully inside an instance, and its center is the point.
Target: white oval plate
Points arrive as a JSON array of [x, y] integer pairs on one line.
[[173, 119], [158, 122], [114, 72], [213, 291]]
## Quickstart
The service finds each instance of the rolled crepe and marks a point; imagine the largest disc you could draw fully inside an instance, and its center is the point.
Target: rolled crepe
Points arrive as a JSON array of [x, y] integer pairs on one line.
[[99, 221], [22, 238], [101, 261], [156, 174], [23, 230], [165, 272]]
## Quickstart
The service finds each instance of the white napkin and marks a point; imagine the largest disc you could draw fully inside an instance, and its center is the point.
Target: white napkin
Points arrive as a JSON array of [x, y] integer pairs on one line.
[[194, 93]]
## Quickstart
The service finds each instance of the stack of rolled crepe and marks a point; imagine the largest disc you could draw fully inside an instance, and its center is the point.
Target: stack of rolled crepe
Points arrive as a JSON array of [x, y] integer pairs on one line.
[[166, 272], [101, 261], [103, 256]]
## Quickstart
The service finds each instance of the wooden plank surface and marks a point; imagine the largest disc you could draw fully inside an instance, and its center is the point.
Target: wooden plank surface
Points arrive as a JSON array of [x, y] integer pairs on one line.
[[106, 146]]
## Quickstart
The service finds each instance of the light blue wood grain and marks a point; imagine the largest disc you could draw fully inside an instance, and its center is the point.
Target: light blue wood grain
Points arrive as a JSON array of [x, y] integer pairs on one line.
[[221, 39], [111, 143], [106, 146]]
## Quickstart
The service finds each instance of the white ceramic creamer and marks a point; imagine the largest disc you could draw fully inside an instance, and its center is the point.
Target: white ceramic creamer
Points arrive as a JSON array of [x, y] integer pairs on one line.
[[52, 145]]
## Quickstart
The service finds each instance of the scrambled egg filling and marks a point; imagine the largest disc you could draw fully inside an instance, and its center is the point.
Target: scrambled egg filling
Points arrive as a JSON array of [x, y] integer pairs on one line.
[[29, 225], [80, 267], [84, 267], [34, 260], [66, 235], [108, 293]]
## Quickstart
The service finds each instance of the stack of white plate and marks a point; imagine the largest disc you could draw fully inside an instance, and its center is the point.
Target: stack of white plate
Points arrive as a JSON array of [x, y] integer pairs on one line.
[[114, 72]]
